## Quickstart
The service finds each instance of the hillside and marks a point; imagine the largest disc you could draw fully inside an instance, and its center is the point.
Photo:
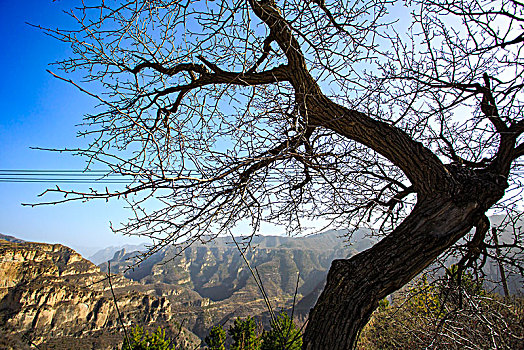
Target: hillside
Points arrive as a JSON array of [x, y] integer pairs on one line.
[[51, 296], [217, 273]]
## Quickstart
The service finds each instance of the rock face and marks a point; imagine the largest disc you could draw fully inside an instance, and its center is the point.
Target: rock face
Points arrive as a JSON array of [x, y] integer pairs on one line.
[[49, 295]]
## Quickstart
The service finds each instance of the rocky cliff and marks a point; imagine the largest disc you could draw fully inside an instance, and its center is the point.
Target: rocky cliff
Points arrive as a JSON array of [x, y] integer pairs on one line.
[[52, 297]]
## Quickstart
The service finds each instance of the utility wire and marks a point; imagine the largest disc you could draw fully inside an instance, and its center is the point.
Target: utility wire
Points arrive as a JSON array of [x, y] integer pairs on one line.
[[62, 176], [95, 177]]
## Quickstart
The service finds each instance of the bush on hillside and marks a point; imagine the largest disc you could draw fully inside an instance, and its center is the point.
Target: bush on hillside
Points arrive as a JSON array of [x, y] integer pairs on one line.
[[216, 339], [283, 335], [245, 335], [450, 313], [141, 339]]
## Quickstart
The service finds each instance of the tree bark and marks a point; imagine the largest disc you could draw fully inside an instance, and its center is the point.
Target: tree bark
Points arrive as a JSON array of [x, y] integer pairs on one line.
[[355, 286]]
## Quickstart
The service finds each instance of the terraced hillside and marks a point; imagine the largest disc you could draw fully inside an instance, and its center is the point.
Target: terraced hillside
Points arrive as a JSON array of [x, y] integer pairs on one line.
[[219, 274]]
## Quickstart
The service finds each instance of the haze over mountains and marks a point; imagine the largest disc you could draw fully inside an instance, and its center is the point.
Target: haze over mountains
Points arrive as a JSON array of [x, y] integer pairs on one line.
[[51, 295]]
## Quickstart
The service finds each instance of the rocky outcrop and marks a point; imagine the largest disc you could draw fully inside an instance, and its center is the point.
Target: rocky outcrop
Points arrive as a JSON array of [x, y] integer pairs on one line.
[[49, 292]]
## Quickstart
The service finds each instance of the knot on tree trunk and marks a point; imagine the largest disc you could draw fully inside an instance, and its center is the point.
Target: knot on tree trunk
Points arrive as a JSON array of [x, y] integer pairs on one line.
[[476, 185]]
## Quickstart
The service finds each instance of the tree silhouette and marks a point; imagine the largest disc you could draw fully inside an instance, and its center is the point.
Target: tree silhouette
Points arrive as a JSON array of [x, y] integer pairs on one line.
[[336, 113]]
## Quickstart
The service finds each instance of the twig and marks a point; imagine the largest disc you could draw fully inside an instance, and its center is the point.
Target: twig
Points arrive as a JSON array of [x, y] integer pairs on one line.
[[116, 304]]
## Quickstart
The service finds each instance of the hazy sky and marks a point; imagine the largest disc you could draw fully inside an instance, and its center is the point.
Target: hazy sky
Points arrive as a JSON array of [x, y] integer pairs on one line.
[[39, 110]]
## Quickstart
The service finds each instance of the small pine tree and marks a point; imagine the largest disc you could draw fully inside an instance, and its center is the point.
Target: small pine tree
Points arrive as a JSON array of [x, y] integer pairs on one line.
[[244, 335], [283, 335], [140, 339], [216, 338]]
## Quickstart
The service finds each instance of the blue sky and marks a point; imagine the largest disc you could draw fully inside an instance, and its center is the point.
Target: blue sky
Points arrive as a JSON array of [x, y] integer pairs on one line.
[[39, 110], [42, 111]]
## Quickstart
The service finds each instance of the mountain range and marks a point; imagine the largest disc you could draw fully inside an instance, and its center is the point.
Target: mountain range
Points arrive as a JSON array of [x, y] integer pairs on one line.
[[52, 297], [219, 285]]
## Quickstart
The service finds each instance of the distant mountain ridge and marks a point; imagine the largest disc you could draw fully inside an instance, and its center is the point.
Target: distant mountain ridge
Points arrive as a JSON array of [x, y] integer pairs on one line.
[[11, 238], [202, 266], [106, 254], [330, 239], [321, 241], [216, 272]]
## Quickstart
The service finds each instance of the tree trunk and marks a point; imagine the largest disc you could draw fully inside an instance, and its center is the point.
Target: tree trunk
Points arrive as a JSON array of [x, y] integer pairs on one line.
[[355, 286]]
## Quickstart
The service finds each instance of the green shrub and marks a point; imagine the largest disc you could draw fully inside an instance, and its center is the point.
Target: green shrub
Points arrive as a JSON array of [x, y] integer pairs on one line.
[[140, 339], [283, 335], [244, 334], [216, 339]]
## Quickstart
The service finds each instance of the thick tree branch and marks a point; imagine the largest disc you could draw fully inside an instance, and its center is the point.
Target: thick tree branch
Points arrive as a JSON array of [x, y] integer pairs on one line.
[[212, 66], [488, 106], [319, 110], [519, 151], [265, 53], [423, 168], [182, 67], [275, 75], [476, 245], [270, 15], [398, 198]]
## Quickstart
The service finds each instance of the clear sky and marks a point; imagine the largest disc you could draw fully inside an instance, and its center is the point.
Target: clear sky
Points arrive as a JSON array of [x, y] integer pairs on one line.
[[39, 110]]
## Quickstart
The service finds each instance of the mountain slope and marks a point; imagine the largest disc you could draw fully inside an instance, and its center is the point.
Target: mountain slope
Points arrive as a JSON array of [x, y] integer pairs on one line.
[[50, 295], [217, 271], [219, 275]]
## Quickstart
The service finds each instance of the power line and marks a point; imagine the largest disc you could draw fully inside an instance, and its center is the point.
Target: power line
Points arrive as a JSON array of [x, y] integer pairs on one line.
[[98, 177], [51, 171], [53, 181], [54, 176]]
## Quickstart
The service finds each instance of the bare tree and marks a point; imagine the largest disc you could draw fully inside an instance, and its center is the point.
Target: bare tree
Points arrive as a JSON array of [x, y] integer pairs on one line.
[[404, 117]]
